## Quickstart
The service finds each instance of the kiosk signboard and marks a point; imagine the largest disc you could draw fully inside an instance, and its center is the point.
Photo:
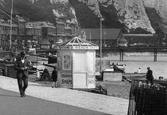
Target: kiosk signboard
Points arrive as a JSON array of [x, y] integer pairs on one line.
[[91, 81], [66, 80], [66, 61]]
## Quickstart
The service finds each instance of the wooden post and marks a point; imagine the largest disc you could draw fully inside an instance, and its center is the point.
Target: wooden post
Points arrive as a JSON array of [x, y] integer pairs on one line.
[[155, 54], [120, 54], [121, 51]]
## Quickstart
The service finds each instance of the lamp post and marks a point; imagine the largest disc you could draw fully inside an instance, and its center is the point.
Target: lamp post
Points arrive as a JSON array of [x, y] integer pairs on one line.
[[101, 37], [11, 25]]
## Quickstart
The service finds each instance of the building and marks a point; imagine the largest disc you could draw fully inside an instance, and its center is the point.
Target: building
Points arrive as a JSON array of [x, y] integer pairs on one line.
[[141, 39], [31, 33], [21, 32], [74, 27], [110, 37], [5, 34], [48, 30], [65, 30], [45, 44], [60, 24], [122, 42]]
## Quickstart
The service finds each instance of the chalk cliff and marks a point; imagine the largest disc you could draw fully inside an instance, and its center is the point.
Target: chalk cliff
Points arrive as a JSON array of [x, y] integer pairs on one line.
[[133, 16], [132, 13]]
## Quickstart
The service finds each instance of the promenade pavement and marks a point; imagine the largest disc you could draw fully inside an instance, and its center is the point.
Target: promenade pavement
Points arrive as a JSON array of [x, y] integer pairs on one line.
[[82, 99], [12, 104]]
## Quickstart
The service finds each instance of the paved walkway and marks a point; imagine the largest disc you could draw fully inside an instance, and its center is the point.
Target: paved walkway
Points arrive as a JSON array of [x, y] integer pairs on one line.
[[96, 102], [12, 104]]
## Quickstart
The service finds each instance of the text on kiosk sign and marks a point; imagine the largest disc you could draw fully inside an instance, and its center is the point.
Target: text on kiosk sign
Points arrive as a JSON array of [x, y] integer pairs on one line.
[[66, 79], [79, 47]]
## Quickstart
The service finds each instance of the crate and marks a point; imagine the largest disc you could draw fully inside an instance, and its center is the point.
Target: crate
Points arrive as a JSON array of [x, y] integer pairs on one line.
[[10, 71]]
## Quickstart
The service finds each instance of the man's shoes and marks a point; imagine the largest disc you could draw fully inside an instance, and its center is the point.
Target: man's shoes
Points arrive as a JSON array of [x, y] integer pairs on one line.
[[24, 94]]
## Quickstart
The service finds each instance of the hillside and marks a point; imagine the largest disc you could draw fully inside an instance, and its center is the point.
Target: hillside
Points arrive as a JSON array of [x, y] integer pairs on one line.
[[142, 15], [133, 16]]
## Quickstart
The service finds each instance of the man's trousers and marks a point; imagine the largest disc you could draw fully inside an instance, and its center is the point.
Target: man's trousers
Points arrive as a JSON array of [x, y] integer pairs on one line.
[[22, 83]]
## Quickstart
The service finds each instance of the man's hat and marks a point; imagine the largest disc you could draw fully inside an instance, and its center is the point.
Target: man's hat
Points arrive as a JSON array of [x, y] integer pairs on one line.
[[148, 67]]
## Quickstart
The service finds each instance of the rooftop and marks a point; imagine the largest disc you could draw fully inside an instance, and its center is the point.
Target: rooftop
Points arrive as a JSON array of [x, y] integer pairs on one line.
[[106, 33], [78, 43]]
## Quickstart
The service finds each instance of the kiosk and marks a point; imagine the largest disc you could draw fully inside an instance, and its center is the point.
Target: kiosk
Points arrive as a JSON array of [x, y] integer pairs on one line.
[[76, 64]]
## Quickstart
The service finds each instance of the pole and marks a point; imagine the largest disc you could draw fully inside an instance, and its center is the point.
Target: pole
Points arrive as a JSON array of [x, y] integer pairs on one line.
[[36, 66], [11, 25], [101, 19]]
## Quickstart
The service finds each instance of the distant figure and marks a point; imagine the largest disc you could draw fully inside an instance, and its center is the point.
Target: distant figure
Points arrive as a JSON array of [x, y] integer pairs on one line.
[[161, 78], [54, 77], [149, 76], [139, 70], [38, 75], [22, 65], [116, 69], [49, 54]]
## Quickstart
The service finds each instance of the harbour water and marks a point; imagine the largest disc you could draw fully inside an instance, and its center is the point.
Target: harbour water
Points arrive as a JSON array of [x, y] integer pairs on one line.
[[133, 62]]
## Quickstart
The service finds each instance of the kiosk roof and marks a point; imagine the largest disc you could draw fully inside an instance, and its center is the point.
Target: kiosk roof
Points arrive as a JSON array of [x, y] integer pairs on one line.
[[78, 43]]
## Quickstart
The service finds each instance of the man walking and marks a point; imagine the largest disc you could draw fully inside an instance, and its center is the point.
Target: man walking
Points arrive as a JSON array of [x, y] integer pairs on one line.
[[54, 77], [149, 76], [22, 65]]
